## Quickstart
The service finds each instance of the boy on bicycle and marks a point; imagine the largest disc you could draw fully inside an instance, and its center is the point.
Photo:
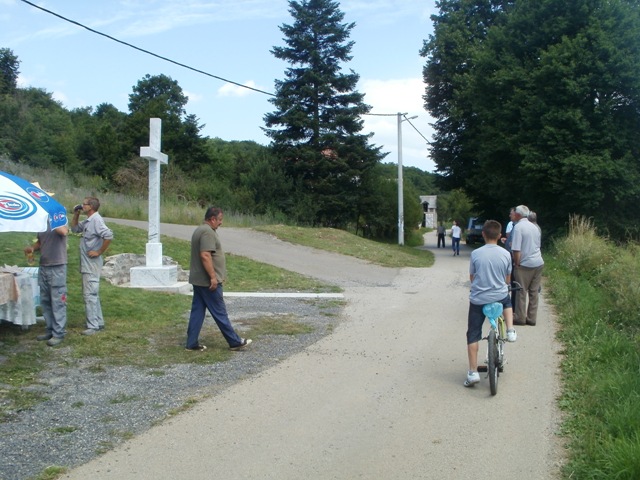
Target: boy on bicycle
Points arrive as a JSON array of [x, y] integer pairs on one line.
[[490, 275]]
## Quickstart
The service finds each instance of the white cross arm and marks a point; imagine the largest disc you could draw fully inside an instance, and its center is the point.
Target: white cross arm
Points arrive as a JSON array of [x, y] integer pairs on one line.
[[149, 153]]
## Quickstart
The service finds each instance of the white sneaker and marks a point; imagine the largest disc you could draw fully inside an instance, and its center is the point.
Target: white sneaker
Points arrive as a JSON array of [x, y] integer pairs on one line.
[[244, 342], [472, 379], [512, 336]]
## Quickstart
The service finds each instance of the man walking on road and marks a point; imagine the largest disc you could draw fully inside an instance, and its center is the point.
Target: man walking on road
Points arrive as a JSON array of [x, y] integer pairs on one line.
[[442, 232], [207, 273]]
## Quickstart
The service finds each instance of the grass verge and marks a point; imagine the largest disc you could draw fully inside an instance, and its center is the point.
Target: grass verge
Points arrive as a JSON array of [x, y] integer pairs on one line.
[[339, 241], [601, 361], [144, 328]]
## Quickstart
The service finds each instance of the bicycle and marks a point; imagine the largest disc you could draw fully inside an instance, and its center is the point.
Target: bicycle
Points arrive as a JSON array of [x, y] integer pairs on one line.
[[496, 338]]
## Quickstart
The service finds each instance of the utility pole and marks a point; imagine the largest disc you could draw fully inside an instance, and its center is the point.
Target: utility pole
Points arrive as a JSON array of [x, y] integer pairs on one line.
[[400, 179], [400, 184]]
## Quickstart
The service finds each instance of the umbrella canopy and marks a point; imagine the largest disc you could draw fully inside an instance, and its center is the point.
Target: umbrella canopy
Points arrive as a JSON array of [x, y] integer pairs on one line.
[[27, 208]]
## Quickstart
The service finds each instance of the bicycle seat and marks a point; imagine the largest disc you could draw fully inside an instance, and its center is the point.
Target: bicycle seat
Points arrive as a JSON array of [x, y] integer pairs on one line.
[[492, 311]]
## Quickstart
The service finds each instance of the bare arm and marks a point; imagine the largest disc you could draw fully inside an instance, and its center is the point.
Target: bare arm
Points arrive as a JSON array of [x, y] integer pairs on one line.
[[207, 262], [63, 231], [516, 258], [74, 219]]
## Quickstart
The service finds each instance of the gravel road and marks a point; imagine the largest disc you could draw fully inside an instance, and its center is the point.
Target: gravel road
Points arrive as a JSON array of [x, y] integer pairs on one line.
[[379, 398]]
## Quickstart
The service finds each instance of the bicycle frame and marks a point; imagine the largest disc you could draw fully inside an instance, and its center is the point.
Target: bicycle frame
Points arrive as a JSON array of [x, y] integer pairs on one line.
[[495, 344]]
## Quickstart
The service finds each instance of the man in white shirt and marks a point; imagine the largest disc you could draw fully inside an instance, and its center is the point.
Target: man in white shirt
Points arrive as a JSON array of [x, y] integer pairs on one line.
[[528, 264]]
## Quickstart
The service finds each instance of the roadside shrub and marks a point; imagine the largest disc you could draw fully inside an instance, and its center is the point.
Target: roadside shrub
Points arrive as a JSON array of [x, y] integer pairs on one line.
[[620, 279], [595, 287], [583, 252]]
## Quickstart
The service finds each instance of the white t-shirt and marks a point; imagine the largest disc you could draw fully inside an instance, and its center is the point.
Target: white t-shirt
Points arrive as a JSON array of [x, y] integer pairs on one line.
[[526, 240], [456, 231], [509, 228]]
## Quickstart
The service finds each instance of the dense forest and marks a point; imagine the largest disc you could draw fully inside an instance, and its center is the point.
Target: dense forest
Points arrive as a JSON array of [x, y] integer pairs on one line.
[[537, 102]]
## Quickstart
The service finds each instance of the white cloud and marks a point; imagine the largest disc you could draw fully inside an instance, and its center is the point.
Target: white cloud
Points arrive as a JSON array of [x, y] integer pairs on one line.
[[60, 97], [392, 97], [395, 95], [169, 14], [22, 81], [232, 90], [193, 97]]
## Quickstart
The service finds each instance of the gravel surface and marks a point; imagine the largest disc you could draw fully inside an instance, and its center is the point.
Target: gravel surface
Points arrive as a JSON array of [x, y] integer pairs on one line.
[[91, 410]]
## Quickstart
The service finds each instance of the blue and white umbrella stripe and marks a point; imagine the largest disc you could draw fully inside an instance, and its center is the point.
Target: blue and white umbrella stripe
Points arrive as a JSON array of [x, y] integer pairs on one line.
[[26, 208]]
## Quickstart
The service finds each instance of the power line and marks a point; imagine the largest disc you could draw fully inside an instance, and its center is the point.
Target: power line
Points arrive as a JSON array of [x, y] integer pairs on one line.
[[414, 127], [187, 66], [146, 51], [405, 119]]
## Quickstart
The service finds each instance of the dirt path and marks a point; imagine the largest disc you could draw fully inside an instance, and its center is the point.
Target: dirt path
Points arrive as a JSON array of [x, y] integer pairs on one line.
[[380, 398]]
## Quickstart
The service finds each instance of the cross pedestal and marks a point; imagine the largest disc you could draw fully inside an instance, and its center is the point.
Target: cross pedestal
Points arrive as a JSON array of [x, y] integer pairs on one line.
[[154, 274]]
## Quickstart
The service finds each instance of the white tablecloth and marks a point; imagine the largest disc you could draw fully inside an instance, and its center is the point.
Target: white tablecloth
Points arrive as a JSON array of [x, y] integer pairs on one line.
[[20, 310]]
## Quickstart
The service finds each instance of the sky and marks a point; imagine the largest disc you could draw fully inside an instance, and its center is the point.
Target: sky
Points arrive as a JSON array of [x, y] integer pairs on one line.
[[230, 39]]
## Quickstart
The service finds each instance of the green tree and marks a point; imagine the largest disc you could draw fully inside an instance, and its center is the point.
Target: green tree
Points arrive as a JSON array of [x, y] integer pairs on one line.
[[315, 128], [9, 65], [455, 205], [460, 28], [378, 217], [110, 141], [162, 97], [43, 132], [547, 109]]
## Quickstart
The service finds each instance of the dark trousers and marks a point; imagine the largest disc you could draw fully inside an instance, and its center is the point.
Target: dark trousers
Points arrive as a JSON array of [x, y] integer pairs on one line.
[[441, 240], [212, 300], [455, 244]]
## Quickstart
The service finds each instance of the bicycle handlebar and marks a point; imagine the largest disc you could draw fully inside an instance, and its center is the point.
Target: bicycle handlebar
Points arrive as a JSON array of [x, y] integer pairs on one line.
[[515, 286]]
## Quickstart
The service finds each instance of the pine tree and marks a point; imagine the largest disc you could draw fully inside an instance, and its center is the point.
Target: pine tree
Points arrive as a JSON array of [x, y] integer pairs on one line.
[[316, 126], [9, 65]]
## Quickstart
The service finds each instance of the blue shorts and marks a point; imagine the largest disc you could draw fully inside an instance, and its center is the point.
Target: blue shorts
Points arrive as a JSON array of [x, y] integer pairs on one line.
[[476, 319]]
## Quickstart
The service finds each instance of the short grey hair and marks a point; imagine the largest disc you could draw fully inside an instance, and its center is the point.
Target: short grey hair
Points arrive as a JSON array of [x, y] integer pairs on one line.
[[522, 210], [533, 216]]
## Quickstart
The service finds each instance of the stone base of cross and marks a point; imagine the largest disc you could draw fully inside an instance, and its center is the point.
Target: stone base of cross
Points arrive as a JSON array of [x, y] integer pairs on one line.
[[154, 274]]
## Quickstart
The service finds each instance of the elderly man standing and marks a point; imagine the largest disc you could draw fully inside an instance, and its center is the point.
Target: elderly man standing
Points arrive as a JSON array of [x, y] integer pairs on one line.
[[528, 264], [96, 238]]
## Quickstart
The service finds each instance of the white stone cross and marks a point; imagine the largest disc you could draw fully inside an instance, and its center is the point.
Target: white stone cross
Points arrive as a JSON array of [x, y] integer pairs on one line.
[[155, 157]]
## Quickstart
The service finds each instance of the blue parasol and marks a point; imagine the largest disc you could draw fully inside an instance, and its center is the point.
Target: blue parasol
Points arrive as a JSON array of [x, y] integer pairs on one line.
[[26, 208]]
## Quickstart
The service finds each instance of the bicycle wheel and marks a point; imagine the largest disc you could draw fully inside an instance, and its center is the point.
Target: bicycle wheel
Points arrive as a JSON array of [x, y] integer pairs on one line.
[[502, 335], [493, 361]]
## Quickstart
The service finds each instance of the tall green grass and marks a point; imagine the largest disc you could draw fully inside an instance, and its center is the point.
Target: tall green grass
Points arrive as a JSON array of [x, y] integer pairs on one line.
[[596, 290], [70, 188]]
